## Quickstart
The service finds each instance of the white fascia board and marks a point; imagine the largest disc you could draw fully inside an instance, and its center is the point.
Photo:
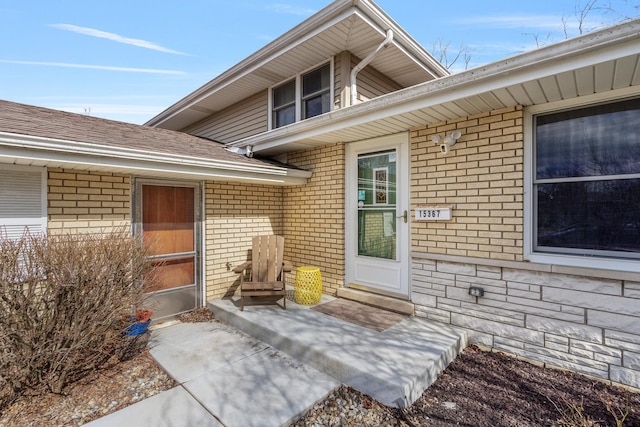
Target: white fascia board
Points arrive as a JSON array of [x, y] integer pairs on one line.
[[610, 44], [54, 150]]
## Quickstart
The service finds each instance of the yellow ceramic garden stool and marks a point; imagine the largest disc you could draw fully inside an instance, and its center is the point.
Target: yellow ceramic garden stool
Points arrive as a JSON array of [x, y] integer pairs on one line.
[[308, 286]]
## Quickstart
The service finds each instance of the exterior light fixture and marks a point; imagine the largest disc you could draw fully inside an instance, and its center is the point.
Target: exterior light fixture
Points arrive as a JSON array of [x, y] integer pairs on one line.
[[447, 141]]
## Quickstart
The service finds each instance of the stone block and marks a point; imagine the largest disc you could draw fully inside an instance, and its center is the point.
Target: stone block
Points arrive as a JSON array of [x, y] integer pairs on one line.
[[523, 293], [563, 281], [617, 361], [501, 342], [596, 348], [423, 299], [484, 313], [617, 322], [485, 272], [568, 361], [581, 353], [456, 268], [625, 376], [614, 304], [557, 346], [632, 360], [577, 311], [632, 290], [622, 340], [480, 338], [530, 307], [556, 339], [568, 329], [497, 328], [460, 294]]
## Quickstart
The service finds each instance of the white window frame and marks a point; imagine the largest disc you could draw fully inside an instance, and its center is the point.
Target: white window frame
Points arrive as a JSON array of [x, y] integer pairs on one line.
[[43, 218], [570, 260], [298, 85]]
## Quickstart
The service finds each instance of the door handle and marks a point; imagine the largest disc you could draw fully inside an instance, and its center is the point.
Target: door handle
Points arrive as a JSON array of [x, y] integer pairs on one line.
[[404, 217]]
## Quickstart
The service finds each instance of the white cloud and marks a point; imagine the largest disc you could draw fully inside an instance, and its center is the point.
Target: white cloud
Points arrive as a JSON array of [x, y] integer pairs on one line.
[[514, 21], [291, 9], [92, 32], [94, 67], [551, 23]]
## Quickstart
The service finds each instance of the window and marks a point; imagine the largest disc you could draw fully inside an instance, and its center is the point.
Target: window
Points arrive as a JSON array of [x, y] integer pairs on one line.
[[586, 181], [306, 96], [23, 201]]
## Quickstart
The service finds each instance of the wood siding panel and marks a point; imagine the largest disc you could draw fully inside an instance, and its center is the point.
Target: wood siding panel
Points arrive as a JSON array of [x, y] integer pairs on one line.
[[244, 119], [371, 83]]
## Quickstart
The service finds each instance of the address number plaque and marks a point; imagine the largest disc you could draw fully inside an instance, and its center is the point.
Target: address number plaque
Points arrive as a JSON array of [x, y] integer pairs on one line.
[[433, 213]]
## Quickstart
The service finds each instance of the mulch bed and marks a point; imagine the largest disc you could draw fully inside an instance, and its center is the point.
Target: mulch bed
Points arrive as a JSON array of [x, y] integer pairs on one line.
[[492, 389]]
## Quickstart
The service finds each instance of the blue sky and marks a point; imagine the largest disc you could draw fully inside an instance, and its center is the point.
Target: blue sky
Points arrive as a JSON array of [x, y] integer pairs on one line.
[[129, 60]]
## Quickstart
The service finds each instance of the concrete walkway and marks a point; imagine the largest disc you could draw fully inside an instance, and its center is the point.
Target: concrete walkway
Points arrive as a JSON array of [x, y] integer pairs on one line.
[[291, 360]]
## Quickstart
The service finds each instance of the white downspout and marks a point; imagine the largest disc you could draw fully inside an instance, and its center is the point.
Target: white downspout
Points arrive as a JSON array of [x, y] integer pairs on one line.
[[364, 63]]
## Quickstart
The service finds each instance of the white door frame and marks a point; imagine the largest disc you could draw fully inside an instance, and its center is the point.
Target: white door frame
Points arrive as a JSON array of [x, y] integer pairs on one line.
[[356, 264]]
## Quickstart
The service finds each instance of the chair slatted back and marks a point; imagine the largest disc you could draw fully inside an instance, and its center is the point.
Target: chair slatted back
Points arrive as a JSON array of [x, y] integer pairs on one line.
[[267, 258]]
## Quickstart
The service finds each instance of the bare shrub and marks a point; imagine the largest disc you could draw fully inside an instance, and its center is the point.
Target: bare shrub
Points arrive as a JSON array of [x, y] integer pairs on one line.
[[63, 302]]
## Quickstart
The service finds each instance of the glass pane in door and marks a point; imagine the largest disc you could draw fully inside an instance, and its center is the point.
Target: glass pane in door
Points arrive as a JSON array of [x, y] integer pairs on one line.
[[377, 205], [168, 226]]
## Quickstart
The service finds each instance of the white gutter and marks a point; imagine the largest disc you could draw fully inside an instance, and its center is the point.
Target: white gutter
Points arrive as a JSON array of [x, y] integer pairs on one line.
[[354, 73], [64, 151]]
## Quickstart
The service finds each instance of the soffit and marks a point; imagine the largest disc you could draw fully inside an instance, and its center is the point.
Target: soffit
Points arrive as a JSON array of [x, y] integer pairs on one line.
[[569, 71], [402, 61]]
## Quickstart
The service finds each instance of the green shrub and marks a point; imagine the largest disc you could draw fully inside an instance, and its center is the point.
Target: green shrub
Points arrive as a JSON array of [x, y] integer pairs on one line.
[[63, 301]]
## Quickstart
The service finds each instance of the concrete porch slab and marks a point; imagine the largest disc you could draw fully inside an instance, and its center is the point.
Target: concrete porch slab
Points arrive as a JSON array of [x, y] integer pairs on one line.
[[234, 378], [394, 366]]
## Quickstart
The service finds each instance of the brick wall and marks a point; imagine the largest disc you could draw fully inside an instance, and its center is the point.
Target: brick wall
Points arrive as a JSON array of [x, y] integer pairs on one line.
[[234, 213], [80, 201], [314, 214], [585, 320], [481, 177]]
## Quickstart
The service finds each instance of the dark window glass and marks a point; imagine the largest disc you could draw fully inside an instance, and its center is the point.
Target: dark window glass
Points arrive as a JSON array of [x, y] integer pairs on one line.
[[284, 116], [316, 81], [316, 105], [596, 216], [587, 181], [596, 141], [316, 92], [285, 94], [284, 104]]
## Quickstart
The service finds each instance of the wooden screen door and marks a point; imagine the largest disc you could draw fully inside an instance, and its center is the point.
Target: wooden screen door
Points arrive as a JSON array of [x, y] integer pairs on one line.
[[168, 220]]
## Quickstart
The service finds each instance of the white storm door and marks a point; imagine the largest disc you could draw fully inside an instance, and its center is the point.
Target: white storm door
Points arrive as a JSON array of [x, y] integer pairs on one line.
[[377, 203]]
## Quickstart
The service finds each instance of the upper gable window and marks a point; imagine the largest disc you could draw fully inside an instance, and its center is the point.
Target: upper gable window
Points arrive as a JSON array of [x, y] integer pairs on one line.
[[306, 96]]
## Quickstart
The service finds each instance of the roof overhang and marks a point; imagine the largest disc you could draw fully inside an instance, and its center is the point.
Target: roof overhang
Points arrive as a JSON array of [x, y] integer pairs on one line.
[[357, 26], [37, 151], [606, 61]]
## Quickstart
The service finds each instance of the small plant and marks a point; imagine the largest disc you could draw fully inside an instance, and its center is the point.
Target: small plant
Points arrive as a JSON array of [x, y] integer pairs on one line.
[[63, 299], [572, 414], [619, 415]]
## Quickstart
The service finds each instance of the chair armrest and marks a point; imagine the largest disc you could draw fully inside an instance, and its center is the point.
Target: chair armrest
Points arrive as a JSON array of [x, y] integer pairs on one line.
[[242, 267], [287, 267]]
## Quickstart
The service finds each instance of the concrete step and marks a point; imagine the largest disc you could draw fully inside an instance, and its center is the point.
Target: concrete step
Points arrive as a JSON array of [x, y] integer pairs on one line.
[[380, 301], [394, 366]]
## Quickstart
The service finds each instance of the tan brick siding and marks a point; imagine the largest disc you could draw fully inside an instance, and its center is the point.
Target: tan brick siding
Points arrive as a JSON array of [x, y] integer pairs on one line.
[[234, 213], [81, 201], [482, 177], [314, 214]]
